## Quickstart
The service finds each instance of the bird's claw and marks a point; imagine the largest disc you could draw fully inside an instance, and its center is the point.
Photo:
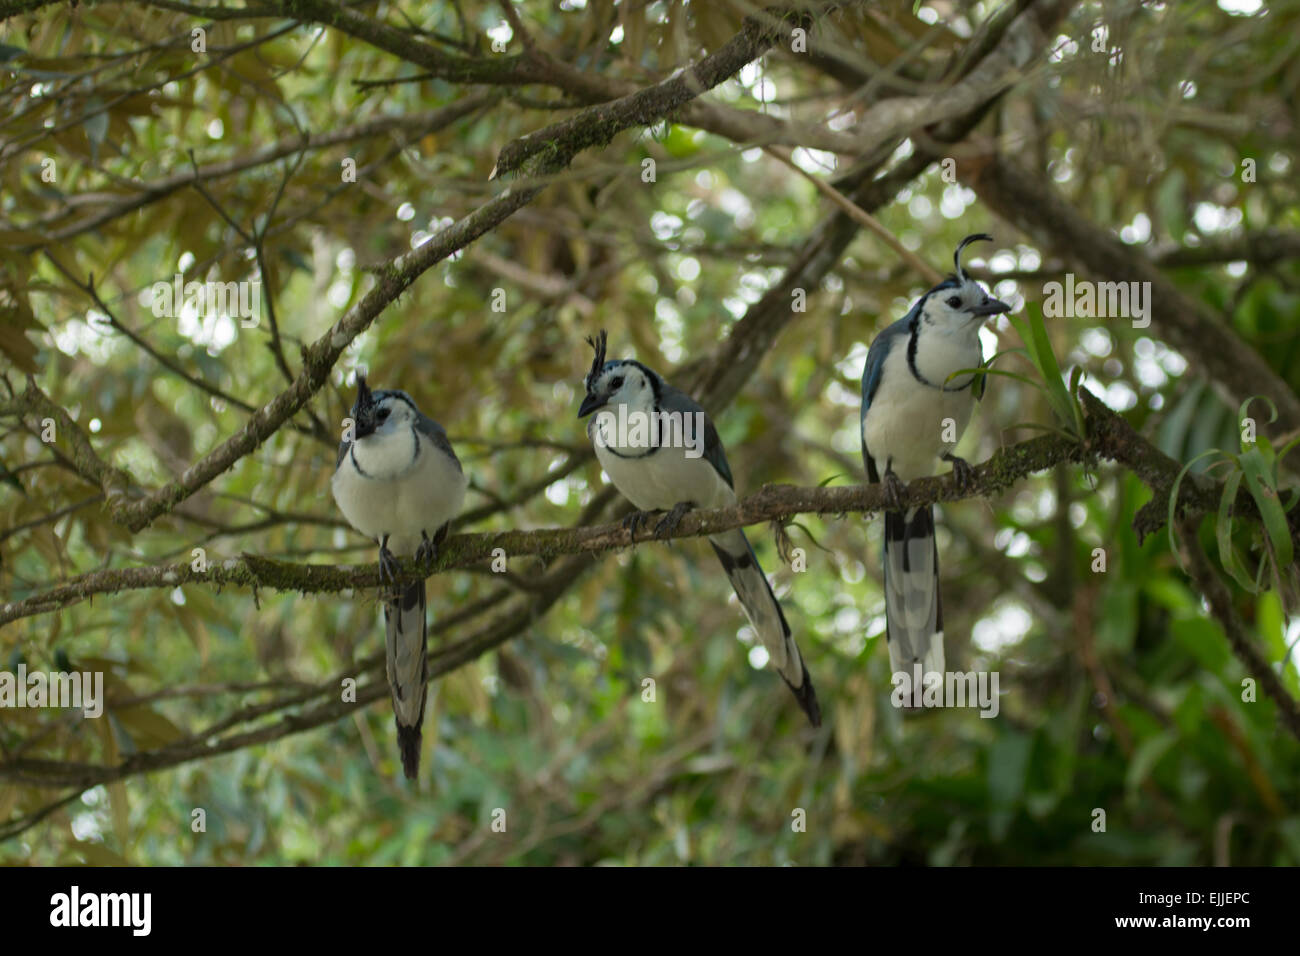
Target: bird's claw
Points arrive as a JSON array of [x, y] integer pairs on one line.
[[388, 567], [634, 521], [962, 472], [669, 522], [427, 552], [895, 491]]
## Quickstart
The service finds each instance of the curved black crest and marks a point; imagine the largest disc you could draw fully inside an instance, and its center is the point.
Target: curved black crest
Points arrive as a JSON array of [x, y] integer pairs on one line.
[[598, 362], [956, 256], [363, 392]]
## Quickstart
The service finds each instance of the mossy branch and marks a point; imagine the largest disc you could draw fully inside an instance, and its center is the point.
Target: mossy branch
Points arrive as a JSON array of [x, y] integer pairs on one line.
[[1109, 436], [33, 403]]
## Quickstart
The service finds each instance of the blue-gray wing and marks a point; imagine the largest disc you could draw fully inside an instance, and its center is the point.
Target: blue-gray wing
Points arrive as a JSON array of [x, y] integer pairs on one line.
[[675, 400], [894, 336], [436, 434]]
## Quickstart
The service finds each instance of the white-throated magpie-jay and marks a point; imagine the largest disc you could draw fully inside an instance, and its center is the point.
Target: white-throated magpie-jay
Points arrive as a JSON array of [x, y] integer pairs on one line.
[[663, 471], [399, 481], [913, 414]]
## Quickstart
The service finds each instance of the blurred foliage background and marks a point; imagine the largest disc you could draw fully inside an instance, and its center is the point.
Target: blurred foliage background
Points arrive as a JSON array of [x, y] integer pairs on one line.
[[1119, 691]]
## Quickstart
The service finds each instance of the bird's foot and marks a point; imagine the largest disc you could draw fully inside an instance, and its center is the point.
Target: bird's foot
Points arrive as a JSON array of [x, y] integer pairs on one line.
[[634, 521], [388, 567], [962, 472], [669, 522], [895, 491], [427, 552]]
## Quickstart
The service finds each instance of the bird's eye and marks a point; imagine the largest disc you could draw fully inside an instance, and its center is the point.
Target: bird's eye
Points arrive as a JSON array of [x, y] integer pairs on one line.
[[616, 382], [953, 301], [383, 413]]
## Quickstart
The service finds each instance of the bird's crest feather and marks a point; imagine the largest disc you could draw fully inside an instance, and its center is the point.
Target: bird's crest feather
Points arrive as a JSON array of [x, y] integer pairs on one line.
[[956, 256], [598, 361]]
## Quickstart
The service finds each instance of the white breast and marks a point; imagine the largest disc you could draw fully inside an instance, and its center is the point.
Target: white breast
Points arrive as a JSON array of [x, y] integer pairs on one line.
[[908, 421], [940, 355], [665, 478], [399, 498]]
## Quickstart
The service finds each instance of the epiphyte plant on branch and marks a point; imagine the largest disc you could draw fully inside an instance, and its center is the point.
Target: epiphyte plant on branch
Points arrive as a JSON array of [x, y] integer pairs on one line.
[[397, 480], [915, 406], [642, 431], [1258, 465]]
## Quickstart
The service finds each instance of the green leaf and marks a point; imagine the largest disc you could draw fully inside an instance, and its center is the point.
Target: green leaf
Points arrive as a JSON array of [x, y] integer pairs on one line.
[[1270, 622], [1025, 379], [1033, 333], [1173, 502], [1260, 484], [1145, 758], [816, 544], [681, 142], [1286, 450], [1223, 533], [1242, 413]]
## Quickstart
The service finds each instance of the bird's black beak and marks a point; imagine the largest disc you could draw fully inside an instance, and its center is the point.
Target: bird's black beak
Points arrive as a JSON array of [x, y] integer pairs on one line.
[[589, 405], [990, 307]]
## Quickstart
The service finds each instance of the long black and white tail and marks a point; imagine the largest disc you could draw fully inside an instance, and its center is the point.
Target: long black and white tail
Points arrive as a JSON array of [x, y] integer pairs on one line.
[[913, 611], [765, 616], [408, 659]]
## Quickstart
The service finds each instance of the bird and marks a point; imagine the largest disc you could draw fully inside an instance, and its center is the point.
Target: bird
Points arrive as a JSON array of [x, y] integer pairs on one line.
[[670, 470], [398, 481], [914, 410]]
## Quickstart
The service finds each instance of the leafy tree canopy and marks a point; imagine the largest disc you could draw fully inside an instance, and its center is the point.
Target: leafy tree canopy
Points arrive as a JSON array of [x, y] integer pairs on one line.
[[450, 197]]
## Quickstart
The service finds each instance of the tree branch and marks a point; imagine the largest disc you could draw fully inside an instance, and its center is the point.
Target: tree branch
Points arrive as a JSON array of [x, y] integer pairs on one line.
[[597, 125], [1109, 436], [1261, 248], [114, 482]]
